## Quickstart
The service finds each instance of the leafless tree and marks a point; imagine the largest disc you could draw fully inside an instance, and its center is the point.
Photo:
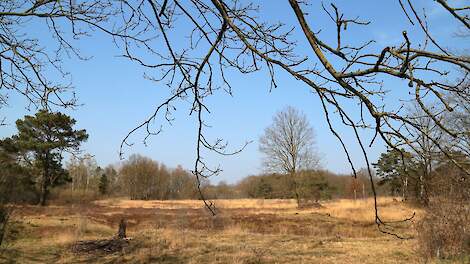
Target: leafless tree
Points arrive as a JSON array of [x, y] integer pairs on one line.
[[459, 120], [36, 35], [143, 178], [425, 148], [429, 143], [140, 176], [83, 171], [195, 46], [340, 74], [288, 145]]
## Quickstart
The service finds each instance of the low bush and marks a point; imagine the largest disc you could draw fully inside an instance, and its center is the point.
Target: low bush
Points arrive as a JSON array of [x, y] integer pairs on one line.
[[67, 196], [444, 232]]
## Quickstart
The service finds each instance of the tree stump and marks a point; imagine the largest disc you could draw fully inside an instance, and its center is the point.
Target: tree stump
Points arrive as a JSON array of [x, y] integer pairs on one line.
[[122, 229], [112, 245]]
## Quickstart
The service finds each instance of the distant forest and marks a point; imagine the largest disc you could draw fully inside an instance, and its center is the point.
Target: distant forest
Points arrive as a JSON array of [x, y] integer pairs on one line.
[[140, 177]]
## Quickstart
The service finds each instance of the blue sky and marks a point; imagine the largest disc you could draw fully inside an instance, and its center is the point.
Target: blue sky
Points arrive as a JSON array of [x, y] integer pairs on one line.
[[116, 97]]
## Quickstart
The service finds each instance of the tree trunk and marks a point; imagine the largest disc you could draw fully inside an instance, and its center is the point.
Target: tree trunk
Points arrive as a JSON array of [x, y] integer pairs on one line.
[[43, 195], [422, 192], [122, 229], [405, 189], [297, 197], [296, 189], [4, 216], [423, 196], [44, 180], [363, 191]]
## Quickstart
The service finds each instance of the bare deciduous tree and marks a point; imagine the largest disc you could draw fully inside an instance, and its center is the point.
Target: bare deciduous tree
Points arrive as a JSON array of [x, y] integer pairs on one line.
[[35, 37], [83, 172], [424, 149], [288, 145], [143, 178]]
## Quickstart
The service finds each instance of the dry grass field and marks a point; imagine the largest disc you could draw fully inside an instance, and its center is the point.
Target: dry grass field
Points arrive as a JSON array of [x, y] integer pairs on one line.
[[244, 231]]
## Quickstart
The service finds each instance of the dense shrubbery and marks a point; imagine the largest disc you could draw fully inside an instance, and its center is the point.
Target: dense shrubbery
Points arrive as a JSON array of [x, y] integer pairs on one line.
[[444, 232], [312, 185]]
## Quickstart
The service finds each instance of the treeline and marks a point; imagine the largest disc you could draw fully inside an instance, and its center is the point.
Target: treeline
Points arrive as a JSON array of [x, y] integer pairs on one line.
[[143, 178], [312, 185], [425, 176], [138, 177], [31, 168]]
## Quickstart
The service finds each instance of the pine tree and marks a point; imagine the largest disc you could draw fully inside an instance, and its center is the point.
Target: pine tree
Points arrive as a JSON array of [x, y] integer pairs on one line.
[[43, 138], [103, 185]]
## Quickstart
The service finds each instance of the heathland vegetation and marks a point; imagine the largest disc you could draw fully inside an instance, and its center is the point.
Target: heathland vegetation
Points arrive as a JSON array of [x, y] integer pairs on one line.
[[340, 207], [390, 75]]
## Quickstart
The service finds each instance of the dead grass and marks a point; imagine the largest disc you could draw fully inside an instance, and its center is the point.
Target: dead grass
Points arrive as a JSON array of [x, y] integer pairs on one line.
[[244, 231], [195, 204], [363, 210]]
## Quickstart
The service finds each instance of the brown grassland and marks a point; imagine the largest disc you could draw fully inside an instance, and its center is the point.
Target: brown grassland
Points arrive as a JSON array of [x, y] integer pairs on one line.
[[244, 231]]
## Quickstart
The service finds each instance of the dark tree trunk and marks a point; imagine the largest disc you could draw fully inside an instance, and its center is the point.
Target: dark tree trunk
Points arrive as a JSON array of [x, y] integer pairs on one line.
[[122, 229], [296, 188], [45, 180], [43, 195], [405, 189], [4, 216], [44, 189], [297, 197]]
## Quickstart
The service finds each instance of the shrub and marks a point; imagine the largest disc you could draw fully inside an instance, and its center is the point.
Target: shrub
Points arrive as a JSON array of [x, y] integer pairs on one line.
[[66, 196], [443, 233], [4, 215]]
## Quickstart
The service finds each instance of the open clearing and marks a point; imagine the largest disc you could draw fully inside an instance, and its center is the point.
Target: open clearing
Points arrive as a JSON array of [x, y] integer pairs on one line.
[[244, 231]]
